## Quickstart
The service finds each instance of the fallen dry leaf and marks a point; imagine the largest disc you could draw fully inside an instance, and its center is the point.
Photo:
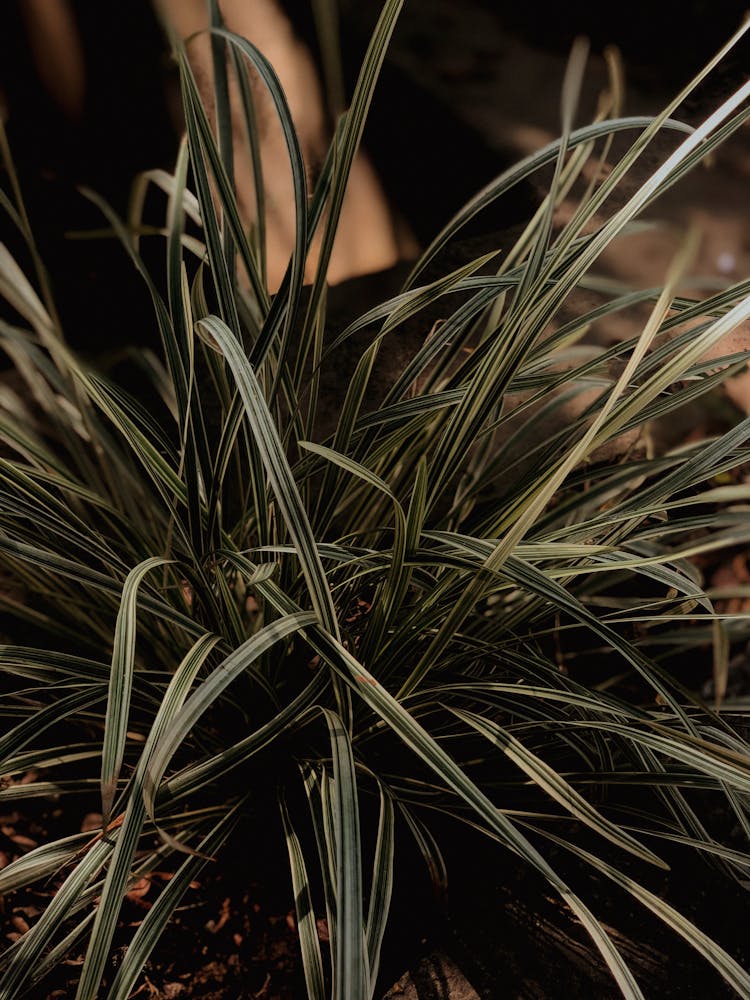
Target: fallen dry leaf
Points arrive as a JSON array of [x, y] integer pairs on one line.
[[214, 926], [21, 841], [20, 924], [137, 891], [733, 574], [91, 822]]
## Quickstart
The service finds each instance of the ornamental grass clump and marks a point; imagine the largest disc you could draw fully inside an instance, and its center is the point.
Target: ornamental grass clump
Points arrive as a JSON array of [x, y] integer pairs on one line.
[[215, 582]]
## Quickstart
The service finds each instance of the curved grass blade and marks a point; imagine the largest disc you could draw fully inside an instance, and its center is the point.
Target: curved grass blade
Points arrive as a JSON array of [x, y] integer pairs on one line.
[[223, 118], [194, 448], [192, 779], [307, 929], [41, 862], [35, 724], [382, 883], [299, 178], [120, 684], [347, 141], [473, 411], [570, 96], [34, 942], [732, 972], [47, 757], [706, 757], [316, 782], [419, 741], [556, 786], [203, 147], [115, 884], [350, 974], [277, 468], [525, 168], [430, 851], [55, 563], [384, 605], [253, 142], [218, 680], [55, 956], [330, 490], [154, 923]]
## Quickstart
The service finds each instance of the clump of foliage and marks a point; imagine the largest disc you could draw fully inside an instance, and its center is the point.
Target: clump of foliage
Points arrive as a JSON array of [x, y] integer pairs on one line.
[[369, 613]]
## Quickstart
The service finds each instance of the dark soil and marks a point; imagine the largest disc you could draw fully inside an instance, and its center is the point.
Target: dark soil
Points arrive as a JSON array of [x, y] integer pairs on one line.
[[234, 934]]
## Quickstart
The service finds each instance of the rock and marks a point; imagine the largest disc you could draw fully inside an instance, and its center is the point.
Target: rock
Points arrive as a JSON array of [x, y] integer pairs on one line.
[[436, 977]]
